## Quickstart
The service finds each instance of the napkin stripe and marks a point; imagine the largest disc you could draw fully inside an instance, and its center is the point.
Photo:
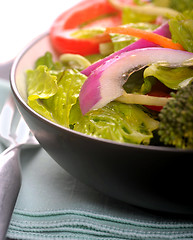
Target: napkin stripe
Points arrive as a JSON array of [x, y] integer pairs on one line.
[[102, 229], [137, 222], [97, 235], [31, 236]]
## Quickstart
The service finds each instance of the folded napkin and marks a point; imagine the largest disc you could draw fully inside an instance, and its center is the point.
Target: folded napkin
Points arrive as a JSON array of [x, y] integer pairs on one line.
[[54, 205]]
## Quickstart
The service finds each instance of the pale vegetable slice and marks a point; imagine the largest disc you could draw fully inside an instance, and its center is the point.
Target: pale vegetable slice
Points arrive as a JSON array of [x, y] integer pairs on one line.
[[75, 59], [131, 98]]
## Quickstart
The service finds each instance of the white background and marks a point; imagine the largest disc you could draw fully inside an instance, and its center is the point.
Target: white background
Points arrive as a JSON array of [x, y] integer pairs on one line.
[[23, 20]]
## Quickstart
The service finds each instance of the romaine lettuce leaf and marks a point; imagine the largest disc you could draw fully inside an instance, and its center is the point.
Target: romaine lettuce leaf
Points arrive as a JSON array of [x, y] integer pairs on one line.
[[179, 5], [136, 83], [119, 122], [130, 16], [54, 96], [94, 57], [40, 108], [60, 104], [75, 114], [47, 60], [120, 41], [181, 29], [173, 78], [40, 83]]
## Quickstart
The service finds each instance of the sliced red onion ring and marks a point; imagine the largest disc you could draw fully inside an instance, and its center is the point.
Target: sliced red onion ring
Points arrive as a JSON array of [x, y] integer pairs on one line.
[[105, 83], [163, 30]]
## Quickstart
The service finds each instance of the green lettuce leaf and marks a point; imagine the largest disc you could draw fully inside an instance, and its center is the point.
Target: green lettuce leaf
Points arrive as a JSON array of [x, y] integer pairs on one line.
[[60, 104], [130, 16], [181, 29], [119, 122], [120, 40], [174, 78], [179, 5], [94, 57], [40, 108], [75, 114], [54, 96], [40, 83], [136, 83], [162, 3], [47, 60]]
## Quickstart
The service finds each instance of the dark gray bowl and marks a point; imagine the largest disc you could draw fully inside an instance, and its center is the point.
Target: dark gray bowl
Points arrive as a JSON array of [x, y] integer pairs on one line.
[[153, 177]]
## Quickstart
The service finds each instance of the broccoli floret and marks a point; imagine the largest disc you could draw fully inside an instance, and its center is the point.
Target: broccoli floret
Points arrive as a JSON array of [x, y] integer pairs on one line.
[[176, 119]]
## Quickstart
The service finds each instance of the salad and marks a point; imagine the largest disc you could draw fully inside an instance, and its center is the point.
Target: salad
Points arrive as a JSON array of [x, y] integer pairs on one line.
[[124, 72]]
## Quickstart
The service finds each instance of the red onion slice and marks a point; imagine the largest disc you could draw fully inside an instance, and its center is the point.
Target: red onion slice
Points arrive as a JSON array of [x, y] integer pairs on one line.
[[141, 43], [105, 83]]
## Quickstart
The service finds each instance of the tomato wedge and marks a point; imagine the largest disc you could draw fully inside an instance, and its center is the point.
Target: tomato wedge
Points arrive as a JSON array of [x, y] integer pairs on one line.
[[158, 90], [83, 13]]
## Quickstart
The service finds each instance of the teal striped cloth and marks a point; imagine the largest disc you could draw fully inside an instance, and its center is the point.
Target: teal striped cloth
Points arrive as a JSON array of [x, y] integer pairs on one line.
[[54, 205]]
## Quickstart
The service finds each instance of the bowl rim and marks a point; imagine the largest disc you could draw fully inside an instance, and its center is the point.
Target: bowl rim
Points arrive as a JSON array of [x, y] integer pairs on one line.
[[17, 95]]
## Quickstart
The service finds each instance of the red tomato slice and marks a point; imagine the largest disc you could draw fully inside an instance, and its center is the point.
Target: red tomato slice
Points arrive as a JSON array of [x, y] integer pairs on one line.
[[70, 21], [158, 90]]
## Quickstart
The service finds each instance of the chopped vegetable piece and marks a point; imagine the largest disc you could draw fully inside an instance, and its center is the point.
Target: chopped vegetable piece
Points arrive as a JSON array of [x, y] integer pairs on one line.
[[149, 36], [163, 30], [181, 29], [106, 82], [75, 60], [119, 122], [131, 98]]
